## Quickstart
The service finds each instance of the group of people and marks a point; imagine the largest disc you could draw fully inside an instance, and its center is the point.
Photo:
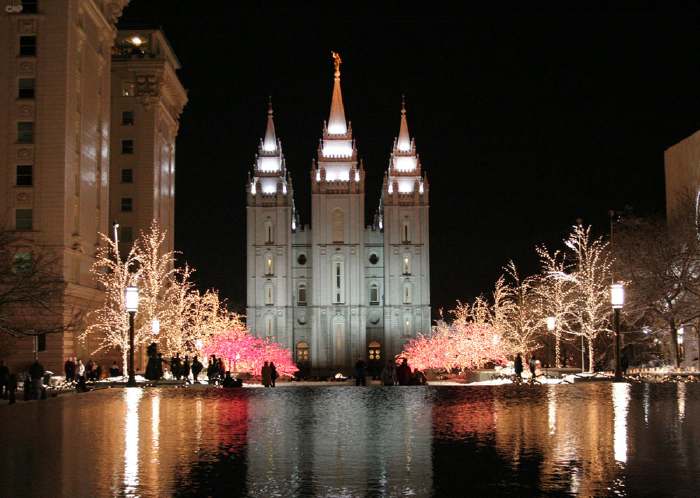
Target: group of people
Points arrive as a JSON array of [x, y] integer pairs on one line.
[[269, 374], [518, 368], [8, 383], [402, 375]]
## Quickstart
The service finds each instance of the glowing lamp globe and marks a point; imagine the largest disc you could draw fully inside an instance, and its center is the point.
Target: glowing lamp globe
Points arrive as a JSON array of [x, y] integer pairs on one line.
[[551, 323], [617, 296], [132, 299], [199, 343], [155, 326]]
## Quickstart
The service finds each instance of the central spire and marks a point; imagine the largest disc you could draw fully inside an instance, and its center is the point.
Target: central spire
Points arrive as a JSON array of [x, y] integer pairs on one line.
[[404, 141], [336, 121], [270, 140]]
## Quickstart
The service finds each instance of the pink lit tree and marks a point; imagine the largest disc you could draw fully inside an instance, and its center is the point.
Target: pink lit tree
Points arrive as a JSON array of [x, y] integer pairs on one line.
[[243, 352]]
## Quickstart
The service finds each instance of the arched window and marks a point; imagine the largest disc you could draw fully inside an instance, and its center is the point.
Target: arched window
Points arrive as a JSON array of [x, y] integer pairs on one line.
[[269, 326], [338, 270], [374, 294], [405, 233], [406, 264], [302, 352], [269, 295], [407, 293], [269, 237], [338, 225], [374, 351], [339, 339], [269, 265], [407, 329], [301, 295]]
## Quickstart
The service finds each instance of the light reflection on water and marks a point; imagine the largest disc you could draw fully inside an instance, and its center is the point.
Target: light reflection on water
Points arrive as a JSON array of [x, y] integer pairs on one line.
[[591, 440]]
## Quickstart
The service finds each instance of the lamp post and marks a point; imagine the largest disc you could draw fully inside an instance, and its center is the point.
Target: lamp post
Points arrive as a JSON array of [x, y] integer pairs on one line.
[[155, 326], [617, 300], [552, 327], [132, 305], [681, 333]]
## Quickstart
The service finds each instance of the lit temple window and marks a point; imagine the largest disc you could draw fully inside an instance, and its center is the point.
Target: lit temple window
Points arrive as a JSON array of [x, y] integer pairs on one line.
[[374, 351], [302, 352], [268, 295], [406, 265], [252, 187], [269, 269], [407, 293], [374, 294]]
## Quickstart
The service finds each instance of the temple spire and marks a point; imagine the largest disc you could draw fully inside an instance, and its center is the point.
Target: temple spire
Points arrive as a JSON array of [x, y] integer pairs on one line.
[[336, 120], [404, 142], [270, 140]]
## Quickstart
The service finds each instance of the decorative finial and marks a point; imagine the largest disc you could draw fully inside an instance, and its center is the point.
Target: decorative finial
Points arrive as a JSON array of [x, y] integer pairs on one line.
[[269, 104], [337, 61], [403, 103]]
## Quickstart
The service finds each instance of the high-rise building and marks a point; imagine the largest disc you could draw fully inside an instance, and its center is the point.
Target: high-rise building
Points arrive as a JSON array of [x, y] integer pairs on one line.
[[54, 153], [338, 291], [147, 100]]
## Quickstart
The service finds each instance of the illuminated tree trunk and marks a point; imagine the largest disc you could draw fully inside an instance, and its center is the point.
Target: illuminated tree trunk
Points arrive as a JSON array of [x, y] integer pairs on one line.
[[557, 348], [591, 355]]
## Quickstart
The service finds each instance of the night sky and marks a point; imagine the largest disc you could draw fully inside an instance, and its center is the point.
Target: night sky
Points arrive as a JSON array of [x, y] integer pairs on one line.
[[527, 116]]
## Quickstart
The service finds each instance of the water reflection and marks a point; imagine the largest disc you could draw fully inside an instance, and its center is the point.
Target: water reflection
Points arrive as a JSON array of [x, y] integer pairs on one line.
[[586, 440], [620, 399], [132, 398]]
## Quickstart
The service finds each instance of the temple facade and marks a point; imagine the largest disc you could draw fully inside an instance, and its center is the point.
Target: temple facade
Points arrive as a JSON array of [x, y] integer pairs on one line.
[[338, 290]]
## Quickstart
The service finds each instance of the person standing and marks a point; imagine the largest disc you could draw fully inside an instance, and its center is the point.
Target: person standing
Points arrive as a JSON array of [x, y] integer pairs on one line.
[[196, 369], [518, 368], [69, 369], [175, 366], [273, 374], [533, 368], [265, 374], [389, 374], [403, 373], [360, 373], [114, 370], [4, 380], [36, 373], [186, 368], [12, 387], [80, 370]]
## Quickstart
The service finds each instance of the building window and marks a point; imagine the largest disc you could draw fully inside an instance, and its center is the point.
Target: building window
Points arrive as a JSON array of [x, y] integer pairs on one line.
[[301, 295], [406, 264], [374, 294], [269, 266], [269, 327], [25, 88], [127, 175], [24, 219], [126, 234], [301, 259], [27, 46], [338, 282], [373, 258], [269, 299], [407, 293], [405, 233], [30, 6], [25, 132], [128, 89], [41, 342], [128, 118], [127, 204], [338, 222], [407, 326], [127, 146], [25, 176], [22, 262], [302, 352], [269, 238], [374, 351]]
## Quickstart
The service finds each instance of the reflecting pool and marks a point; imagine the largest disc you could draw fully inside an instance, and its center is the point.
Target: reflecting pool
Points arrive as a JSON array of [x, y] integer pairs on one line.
[[594, 439]]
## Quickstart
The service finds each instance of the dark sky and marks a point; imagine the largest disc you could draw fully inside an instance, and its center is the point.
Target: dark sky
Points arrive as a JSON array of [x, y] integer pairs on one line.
[[526, 115]]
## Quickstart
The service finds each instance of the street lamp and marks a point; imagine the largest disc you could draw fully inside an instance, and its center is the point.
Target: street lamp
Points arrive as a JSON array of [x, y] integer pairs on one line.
[[155, 326], [132, 305], [552, 327], [617, 300], [681, 333]]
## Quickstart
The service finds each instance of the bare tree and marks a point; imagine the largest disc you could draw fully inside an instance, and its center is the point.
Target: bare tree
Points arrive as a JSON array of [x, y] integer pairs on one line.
[[661, 261], [31, 289]]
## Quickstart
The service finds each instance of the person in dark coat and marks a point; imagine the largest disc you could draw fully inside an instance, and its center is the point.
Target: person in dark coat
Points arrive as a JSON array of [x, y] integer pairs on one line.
[[403, 373], [197, 367], [212, 369], [624, 363], [222, 368], [69, 369], [265, 374], [389, 374], [175, 366], [418, 378], [518, 368], [159, 366], [12, 387], [360, 373], [186, 368], [36, 375], [273, 374], [4, 379]]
